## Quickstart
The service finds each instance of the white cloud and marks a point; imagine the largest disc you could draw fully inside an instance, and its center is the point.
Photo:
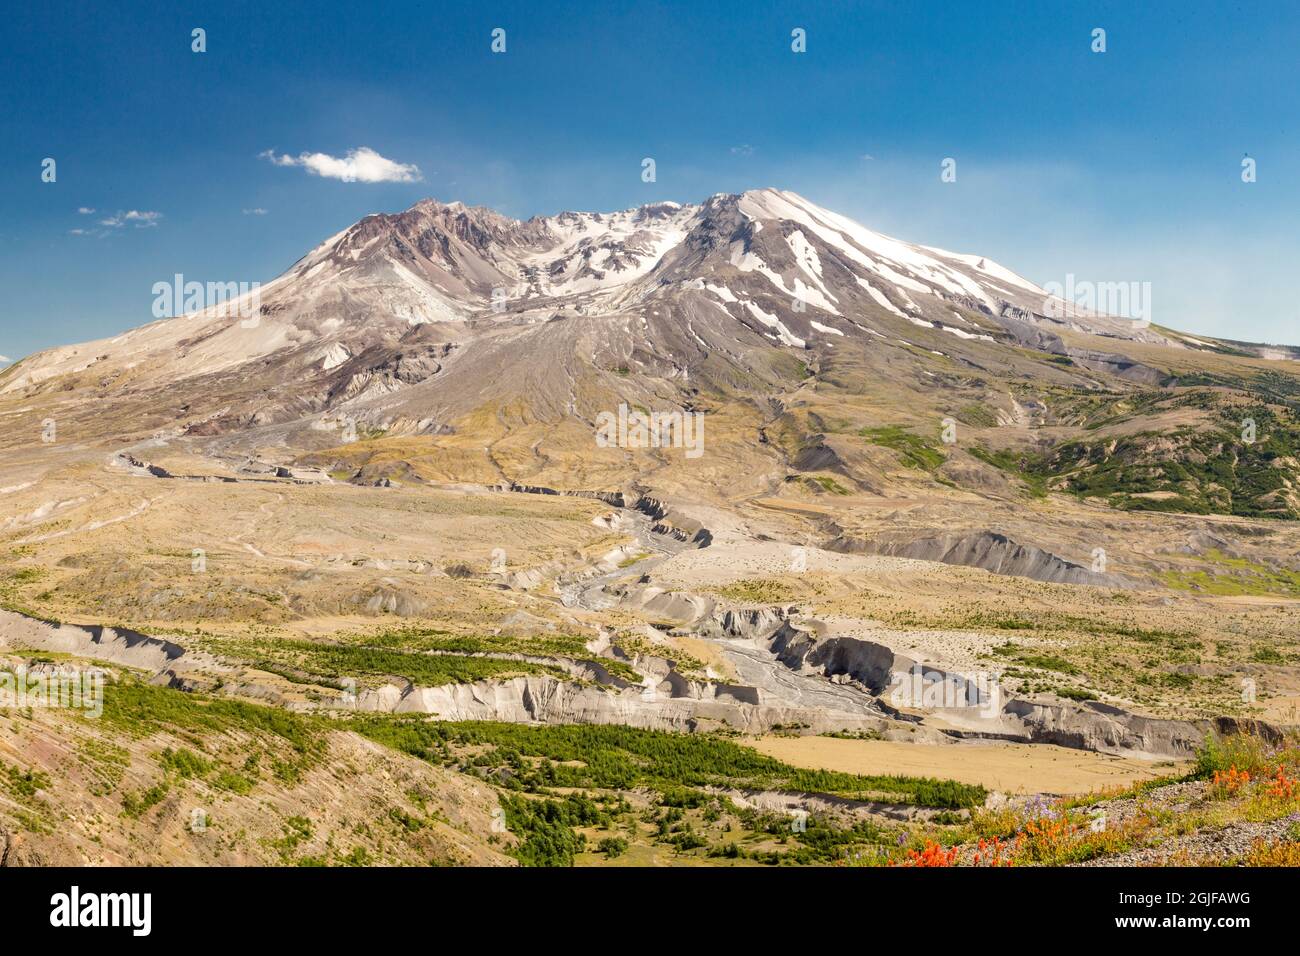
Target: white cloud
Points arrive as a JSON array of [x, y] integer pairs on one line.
[[5, 358], [85, 210], [361, 165], [140, 219], [743, 150], [259, 211]]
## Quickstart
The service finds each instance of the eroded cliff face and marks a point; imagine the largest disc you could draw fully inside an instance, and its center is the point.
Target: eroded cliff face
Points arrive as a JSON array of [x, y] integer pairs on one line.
[[112, 645], [676, 704], [989, 550]]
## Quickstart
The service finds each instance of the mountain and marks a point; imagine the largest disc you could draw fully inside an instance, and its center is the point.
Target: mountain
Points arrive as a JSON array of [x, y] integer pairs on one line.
[[769, 262], [743, 466], [791, 325]]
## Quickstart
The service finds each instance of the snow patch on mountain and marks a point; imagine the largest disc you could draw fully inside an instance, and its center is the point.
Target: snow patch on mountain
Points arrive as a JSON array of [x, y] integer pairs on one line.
[[772, 322]]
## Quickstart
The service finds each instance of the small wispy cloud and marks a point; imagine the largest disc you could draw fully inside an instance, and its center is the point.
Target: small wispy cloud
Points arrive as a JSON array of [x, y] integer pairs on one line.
[[6, 359], [111, 224], [138, 218], [742, 150], [259, 211], [360, 165]]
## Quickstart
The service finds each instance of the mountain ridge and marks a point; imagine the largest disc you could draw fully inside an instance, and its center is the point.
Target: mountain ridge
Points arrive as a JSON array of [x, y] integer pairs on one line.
[[459, 255]]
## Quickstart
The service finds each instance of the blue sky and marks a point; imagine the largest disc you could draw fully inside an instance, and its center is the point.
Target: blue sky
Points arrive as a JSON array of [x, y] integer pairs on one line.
[[1119, 166]]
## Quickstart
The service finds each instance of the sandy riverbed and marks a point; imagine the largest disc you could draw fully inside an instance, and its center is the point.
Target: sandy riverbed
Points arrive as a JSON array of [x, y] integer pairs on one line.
[[1010, 768]]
